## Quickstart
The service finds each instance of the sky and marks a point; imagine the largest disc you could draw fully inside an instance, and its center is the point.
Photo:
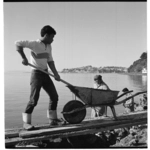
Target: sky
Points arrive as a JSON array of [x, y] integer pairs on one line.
[[88, 33]]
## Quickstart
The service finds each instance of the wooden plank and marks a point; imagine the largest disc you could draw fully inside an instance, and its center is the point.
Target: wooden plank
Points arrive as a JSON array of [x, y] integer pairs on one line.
[[92, 124], [14, 132], [61, 130], [14, 141]]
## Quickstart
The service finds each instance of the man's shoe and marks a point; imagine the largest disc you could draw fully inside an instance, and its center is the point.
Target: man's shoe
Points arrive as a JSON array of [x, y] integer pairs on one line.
[[27, 121], [28, 126], [53, 122], [56, 122]]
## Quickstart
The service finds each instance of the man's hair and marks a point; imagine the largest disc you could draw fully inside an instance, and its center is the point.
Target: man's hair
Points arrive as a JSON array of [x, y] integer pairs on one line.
[[125, 90], [47, 30], [98, 77]]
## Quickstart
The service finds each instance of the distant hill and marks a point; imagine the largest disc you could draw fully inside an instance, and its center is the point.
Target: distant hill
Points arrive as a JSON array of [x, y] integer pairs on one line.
[[84, 69], [136, 67], [139, 64], [111, 69], [90, 69]]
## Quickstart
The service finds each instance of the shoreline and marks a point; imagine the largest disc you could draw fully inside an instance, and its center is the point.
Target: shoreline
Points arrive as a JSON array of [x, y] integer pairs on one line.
[[139, 74], [121, 73]]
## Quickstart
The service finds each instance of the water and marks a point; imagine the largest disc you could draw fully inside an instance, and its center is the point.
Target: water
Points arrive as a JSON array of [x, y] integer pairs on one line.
[[17, 90]]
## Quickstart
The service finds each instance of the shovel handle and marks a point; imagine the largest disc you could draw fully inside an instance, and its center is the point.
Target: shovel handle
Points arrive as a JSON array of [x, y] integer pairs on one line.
[[48, 73]]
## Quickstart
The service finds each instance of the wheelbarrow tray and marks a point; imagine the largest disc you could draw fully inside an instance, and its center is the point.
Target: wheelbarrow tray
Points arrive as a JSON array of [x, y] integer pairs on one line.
[[94, 97]]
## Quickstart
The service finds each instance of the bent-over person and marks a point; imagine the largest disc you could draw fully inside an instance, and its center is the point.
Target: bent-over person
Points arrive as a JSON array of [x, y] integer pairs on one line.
[[129, 104]]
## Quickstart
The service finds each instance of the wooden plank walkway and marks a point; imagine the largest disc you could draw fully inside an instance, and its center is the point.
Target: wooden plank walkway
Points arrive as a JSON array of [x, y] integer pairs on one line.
[[43, 132]]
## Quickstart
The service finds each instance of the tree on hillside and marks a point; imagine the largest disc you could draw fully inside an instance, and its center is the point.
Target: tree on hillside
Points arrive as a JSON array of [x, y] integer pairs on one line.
[[144, 56], [139, 64]]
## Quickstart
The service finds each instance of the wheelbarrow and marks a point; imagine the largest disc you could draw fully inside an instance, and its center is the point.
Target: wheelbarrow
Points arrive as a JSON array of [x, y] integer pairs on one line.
[[74, 111]]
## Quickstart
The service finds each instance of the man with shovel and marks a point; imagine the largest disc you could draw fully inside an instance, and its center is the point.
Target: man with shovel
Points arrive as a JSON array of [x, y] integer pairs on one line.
[[41, 57]]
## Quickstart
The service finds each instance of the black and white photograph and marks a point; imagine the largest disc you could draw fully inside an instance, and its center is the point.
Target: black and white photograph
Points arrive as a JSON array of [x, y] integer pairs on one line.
[[75, 74]]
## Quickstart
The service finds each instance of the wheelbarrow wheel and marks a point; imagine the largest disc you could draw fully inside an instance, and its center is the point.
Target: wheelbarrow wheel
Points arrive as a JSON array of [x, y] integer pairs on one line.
[[74, 117]]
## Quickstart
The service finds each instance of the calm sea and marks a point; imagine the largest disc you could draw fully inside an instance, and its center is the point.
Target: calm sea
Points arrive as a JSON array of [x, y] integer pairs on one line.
[[17, 90]]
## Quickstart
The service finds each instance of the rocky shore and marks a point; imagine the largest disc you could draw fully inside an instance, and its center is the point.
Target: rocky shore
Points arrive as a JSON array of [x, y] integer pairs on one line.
[[135, 139]]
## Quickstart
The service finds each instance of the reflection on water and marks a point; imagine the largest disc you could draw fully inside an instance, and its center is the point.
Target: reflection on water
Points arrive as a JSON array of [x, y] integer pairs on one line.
[[144, 80], [17, 90], [139, 82]]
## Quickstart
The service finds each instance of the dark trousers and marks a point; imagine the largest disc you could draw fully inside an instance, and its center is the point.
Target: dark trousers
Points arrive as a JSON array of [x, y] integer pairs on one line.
[[41, 80]]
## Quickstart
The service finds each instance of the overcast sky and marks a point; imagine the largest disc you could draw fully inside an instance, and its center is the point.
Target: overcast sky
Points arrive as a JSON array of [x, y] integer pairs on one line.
[[88, 33]]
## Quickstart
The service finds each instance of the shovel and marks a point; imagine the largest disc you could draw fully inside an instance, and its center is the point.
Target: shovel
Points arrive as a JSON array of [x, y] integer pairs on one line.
[[49, 74]]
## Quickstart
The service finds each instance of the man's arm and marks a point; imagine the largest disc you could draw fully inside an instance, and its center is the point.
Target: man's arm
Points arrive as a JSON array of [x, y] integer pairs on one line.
[[24, 44], [21, 52], [51, 65]]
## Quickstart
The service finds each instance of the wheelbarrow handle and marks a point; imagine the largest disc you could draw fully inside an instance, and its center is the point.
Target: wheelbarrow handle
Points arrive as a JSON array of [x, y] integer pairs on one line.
[[48, 73], [124, 100], [123, 94]]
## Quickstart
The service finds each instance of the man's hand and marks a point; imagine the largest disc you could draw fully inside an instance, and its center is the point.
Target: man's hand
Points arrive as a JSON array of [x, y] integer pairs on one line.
[[52, 67], [25, 62], [21, 52], [57, 77]]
